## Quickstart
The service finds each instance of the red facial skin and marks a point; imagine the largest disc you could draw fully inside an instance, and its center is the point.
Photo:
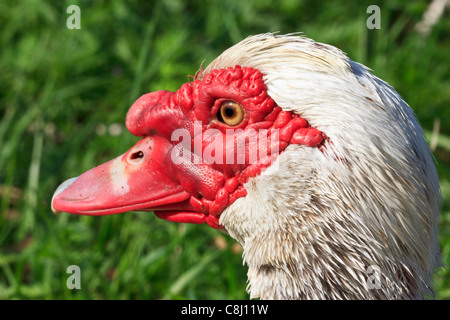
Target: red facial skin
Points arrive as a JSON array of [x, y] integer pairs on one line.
[[217, 159]]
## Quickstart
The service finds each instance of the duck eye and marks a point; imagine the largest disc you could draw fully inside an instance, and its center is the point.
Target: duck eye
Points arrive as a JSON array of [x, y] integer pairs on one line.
[[230, 113]]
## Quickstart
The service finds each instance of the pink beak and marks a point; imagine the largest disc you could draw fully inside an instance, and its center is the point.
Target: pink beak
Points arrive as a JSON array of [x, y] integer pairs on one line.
[[141, 179]]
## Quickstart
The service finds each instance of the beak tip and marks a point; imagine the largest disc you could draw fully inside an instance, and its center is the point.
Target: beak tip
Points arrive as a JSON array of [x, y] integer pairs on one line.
[[56, 212], [63, 186]]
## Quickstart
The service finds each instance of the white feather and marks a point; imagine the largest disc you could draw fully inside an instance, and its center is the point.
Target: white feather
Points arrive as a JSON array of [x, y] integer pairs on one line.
[[312, 225]]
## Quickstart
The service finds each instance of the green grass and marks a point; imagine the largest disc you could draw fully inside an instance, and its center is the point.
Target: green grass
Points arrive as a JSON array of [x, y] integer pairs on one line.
[[61, 91]]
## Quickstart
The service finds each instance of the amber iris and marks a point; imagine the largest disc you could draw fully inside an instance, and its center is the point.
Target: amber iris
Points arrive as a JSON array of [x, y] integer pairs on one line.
[[230, 113]]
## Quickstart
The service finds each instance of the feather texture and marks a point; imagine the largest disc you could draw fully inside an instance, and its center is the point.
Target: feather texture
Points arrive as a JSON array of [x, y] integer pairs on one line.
[[318, 222]]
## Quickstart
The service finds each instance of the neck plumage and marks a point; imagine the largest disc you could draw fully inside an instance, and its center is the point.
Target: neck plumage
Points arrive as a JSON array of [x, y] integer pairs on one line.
[[329, 224], [324, 239]]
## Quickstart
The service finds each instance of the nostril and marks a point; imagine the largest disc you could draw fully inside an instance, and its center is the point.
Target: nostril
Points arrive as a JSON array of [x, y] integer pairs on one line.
[[136, 157]]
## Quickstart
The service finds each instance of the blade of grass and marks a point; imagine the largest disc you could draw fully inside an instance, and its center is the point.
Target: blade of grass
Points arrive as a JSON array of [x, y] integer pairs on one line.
[[442, 140], [33, 183], [183, 280]]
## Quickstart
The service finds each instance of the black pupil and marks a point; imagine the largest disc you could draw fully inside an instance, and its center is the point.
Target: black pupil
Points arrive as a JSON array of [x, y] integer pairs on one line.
[[229, 111]]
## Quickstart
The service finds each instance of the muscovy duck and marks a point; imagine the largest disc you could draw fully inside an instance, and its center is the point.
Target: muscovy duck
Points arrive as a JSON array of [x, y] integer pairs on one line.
[[316, 167]]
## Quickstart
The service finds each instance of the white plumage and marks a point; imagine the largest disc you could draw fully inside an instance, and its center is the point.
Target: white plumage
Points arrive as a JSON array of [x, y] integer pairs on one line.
[[318, 223]]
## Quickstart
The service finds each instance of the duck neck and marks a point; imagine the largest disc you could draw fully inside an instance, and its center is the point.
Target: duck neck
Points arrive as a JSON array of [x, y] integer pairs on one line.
[[286, 267], [322, 239]]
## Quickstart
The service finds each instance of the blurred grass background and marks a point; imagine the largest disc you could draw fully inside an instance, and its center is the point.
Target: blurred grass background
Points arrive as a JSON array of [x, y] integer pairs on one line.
[[64, 95]]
